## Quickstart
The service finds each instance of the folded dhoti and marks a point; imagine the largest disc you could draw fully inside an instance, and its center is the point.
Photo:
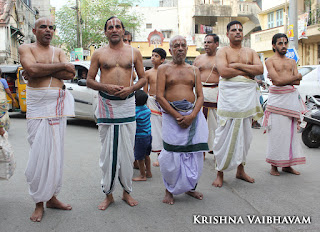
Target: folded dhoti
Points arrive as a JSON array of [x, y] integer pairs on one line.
[[238, 103], [210, 94], [117, 128], [156, 124], [282, 115], [181, 160], [47, 109]]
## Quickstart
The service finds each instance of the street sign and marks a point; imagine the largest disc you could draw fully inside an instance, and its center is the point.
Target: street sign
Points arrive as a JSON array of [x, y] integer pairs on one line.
[[292, 54]]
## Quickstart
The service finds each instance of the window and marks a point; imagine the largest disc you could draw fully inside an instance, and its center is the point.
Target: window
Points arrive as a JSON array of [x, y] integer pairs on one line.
[[279, 17], [149, 25], [270, 20]]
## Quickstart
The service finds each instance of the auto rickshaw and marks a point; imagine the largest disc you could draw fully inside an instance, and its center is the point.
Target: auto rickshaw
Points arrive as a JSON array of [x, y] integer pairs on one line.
[[17, 86]]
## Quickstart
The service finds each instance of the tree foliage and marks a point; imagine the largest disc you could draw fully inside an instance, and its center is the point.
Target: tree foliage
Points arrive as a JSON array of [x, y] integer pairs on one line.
[[94, 14]]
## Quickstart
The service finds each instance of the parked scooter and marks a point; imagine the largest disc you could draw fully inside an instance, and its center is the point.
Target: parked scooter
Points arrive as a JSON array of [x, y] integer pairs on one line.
[[311, 132]]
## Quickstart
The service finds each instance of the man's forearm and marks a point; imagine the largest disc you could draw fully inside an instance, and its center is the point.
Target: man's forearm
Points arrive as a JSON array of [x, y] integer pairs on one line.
[[252, 70], [93, 84], [231, 72], [41, 70], [197, 106], [63, 75], [140, 83], [167, 107]]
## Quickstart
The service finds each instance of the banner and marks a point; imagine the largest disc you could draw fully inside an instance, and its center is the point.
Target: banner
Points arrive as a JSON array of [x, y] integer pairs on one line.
[[302, 26], [78, 54], [290, 32]]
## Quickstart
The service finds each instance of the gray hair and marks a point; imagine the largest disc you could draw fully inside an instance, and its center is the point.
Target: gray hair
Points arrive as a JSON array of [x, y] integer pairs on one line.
[[174, 38]]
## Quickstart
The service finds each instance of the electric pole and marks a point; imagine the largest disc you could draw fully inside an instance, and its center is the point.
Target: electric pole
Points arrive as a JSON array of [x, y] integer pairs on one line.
[[79, 31], [293, 20]]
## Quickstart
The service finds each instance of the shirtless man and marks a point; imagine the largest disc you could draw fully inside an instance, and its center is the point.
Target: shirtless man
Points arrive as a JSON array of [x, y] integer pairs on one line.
[[238, 103], [283, 110], [45, 68], [185, 133], [116, 109], [210, 79], [127, 37], [158, 57]]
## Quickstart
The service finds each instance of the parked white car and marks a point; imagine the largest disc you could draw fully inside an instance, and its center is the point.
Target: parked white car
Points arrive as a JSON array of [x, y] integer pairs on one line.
[[310, 83], [86, 99]]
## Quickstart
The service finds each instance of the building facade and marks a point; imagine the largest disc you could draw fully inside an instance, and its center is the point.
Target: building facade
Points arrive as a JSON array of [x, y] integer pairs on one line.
[[274, 19], [16, 22]]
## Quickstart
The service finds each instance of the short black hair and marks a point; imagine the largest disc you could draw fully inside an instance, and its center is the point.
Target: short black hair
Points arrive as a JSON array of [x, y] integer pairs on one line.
[[141, 97], [276, 37], [215, 37], [112, 17], [233, 23], [127, 33], [161, 52]]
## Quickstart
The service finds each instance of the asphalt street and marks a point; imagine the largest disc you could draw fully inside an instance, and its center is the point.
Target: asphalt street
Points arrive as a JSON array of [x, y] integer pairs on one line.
[[286, 195]]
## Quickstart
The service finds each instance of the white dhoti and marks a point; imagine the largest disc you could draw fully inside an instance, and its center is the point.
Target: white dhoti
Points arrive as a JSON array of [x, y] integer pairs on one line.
[[47, 109], [156, 124], [283, 112], [117, 128], [210, 94], [238, 103], [181, 160]]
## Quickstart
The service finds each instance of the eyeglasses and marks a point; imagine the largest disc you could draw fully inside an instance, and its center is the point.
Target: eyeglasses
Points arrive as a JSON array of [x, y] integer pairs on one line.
[[51, 27]]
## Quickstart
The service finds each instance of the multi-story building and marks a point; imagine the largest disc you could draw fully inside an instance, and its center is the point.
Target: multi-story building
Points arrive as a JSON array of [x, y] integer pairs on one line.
[[16, 22], [274, 19], [195, 18], [42, 8]]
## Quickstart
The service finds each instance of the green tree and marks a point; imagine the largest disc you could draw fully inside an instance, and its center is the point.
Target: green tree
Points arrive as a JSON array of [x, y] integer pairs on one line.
[[94, 14]]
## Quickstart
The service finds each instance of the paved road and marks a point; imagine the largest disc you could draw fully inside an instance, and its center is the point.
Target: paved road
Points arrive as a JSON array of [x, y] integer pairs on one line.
[[284, 195]]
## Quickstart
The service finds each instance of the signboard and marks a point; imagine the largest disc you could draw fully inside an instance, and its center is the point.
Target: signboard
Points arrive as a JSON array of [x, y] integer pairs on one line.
[[78, 54], [72, 56], [302, 26], [292, 54], [290, 33]]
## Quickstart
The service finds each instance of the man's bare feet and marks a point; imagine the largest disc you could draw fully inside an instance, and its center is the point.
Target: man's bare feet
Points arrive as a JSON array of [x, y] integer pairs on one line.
[[106, 202], [242, 175], [195, 194], [290, 170], [219, 180], [148, 174], [127, 198], [56, 204], [156, 164], [274, 171], [140, 178], [37, 213], [168, 198]]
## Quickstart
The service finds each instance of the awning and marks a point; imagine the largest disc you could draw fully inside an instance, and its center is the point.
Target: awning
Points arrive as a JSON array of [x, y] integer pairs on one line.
[[18, 33], [9, 68]]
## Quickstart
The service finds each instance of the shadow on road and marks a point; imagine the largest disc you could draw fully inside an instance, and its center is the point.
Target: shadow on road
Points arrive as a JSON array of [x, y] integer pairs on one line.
[[81, 122]]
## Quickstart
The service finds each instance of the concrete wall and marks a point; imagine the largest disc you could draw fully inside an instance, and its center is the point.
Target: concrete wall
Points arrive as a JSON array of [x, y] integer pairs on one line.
[[43, 6]]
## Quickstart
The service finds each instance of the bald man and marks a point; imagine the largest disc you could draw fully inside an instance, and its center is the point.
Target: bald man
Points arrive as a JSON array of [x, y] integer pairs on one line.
[[184, 128], [48, 105]]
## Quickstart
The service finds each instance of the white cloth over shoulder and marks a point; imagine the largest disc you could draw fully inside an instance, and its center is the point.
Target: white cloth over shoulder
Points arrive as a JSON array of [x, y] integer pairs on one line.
[[238, 103], [47, 109], [156, 124], [181, 160]]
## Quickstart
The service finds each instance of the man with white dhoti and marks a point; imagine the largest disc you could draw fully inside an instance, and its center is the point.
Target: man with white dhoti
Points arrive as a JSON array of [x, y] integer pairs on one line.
[[238, 103], [210, 80], [184, 129], [48, 105], [283, 110], [116, 109]]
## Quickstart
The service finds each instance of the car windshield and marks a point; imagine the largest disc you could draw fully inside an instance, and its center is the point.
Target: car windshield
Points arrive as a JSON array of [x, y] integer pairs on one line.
[[305, 70]]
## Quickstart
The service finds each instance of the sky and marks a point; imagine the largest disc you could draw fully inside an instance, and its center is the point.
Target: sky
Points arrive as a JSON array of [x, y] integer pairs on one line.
[[59, 3]]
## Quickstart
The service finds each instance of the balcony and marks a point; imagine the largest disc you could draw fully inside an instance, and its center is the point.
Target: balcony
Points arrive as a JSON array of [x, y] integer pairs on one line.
[[314, 16], [212, 10], [247, 9]]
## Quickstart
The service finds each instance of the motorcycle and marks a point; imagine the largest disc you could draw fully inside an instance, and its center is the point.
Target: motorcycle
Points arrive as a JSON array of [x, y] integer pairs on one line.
[[311, 131]]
